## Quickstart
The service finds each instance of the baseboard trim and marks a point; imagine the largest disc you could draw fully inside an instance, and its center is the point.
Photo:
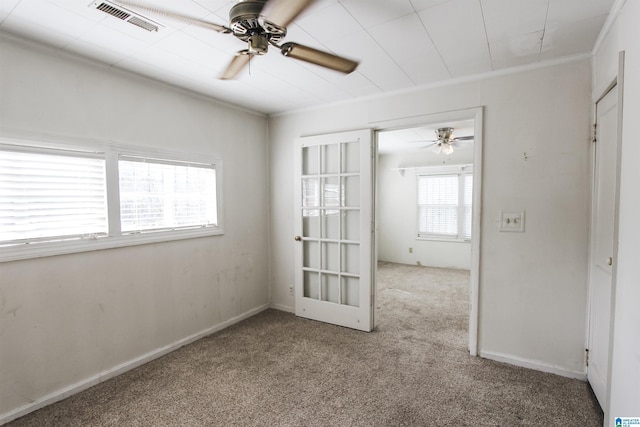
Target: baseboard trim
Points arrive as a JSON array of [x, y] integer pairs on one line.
[[533, 364], [72, 389], [281, 307]]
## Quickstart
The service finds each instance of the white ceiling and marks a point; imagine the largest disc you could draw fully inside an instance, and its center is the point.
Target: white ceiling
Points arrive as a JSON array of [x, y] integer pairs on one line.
[[401, 44]]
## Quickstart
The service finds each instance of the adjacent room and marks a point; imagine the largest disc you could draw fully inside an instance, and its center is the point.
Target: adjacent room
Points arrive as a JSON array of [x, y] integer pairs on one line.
[[329, 212], [425, 195]]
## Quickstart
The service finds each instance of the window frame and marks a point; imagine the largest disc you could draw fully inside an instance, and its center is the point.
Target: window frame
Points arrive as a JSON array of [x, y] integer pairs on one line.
[[115, 237], [461, 171]]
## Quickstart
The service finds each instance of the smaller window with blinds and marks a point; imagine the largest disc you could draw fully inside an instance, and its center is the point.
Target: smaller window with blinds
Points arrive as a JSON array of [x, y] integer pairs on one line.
[[445, 205], [166, 195]]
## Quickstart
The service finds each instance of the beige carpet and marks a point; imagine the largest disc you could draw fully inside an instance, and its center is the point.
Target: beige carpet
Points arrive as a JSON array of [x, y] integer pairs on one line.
[[279, 370]]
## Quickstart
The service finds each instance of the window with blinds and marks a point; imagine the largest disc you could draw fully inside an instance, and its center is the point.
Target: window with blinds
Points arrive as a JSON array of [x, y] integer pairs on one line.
[[51, 195], [55, 201], [445, 206], [158, 194]]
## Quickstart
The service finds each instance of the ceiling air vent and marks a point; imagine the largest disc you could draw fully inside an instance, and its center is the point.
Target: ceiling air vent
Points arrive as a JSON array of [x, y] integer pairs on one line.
[[126, 15]]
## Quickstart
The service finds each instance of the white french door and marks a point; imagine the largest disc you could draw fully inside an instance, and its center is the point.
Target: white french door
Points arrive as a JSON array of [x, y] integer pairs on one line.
[[334, 280], [602, 243]]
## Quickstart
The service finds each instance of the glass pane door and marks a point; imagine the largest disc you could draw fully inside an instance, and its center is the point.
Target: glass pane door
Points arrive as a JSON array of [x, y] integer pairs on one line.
[[333, 209]]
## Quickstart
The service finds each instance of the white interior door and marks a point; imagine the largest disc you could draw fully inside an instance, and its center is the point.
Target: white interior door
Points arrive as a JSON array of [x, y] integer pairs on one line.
[[602, 243], [334, 280]]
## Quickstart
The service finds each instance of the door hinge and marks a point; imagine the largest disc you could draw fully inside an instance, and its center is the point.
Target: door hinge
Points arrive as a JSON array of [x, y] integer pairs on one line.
[[594, 138], [586, 356]]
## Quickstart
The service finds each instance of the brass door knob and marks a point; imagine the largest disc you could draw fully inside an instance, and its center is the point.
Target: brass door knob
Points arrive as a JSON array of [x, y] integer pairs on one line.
[[297, 238], [609, 261]]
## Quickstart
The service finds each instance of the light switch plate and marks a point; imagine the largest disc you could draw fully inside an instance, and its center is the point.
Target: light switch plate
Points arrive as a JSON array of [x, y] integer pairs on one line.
[[512, 221]]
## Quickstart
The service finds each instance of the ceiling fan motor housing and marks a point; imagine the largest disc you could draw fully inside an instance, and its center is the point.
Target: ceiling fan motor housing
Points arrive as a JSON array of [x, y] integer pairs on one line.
[[258, 44], [444, 134], [249, 26]]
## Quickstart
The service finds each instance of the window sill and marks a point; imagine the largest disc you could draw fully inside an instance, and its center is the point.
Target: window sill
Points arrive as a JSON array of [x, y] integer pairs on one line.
[[442, 239], [46, 249]]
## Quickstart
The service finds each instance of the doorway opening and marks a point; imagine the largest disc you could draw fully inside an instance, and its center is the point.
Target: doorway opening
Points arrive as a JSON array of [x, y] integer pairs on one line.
[[427, 220]]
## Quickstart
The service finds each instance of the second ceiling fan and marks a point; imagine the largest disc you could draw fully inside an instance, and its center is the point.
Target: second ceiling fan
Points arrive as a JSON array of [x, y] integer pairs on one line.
[[444, 142], [260, 24]]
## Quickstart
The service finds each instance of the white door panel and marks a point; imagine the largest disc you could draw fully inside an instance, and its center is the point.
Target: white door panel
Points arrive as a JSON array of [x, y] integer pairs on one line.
[[602, 243], [333, 225]]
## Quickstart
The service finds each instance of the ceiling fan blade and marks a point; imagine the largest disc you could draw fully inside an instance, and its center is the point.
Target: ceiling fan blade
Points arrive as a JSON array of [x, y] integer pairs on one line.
[[175, 16], [283, 12], [318, 57], [238, 62], [427, 146], [463, 138]]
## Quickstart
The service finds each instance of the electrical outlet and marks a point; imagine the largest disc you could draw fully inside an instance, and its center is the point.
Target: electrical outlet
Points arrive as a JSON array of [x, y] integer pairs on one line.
[[291, 290]]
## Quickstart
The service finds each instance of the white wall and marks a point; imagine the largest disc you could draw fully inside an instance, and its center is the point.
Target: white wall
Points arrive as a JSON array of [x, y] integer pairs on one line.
[[397, 213], [533, 284], [625, 359], [69, 319]]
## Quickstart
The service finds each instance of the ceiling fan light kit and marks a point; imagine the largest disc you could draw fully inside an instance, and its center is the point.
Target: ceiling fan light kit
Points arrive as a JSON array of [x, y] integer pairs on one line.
[[260, 23], [443, 148]]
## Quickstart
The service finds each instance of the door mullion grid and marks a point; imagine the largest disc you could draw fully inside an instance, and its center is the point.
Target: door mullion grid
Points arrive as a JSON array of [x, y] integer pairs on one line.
[[321, 175]]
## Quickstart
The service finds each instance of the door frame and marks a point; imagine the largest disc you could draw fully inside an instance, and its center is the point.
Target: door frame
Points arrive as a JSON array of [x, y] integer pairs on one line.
[[476, 114], [619, 82]]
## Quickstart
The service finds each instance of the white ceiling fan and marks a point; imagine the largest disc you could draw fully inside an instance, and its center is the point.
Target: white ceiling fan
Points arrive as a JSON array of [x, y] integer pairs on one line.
[[444, 143], [258, 23]]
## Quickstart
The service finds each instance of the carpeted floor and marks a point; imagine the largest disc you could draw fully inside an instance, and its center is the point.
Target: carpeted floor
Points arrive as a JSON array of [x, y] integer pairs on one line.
[[276, 369]]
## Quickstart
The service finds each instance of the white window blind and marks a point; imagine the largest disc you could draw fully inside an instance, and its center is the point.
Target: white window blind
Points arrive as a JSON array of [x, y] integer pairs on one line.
[[156, 194], [333, 195], [445, 205], [310, 196], [438, 204], [468, 202], [45, 196]]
